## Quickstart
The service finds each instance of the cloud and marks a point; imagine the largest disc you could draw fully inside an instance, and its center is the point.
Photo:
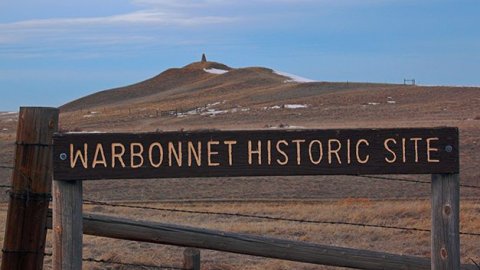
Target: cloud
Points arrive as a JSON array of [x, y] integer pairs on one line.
[[38, 37], [169, 4], [149, 17], [149, 23]]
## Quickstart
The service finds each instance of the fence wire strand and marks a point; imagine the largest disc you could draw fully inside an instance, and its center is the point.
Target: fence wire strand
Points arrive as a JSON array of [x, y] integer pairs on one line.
[[174, 210], [393, 179], [93, 202], [407, 180], [94, 260]]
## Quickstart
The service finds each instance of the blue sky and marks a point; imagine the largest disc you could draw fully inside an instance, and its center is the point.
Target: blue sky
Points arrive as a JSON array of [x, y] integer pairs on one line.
[[53, 51]]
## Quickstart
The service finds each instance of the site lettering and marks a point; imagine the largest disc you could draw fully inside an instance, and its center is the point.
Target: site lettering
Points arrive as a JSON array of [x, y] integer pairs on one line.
[[257, 152]]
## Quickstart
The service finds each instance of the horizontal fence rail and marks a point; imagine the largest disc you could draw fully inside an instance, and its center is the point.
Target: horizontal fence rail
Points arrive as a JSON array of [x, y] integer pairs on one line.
[[160, 233]]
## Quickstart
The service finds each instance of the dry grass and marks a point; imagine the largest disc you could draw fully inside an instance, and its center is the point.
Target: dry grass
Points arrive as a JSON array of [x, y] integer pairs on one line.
[[330, 105], [384, 212]]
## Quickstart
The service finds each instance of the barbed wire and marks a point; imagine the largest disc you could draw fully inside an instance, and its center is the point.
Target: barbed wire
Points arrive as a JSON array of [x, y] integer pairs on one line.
[[407, 180], [393, 179], [476, 264], [92, 202], [94, 260]]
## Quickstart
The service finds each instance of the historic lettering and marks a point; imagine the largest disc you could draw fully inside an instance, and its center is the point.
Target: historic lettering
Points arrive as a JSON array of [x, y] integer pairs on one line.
[[258, 153]]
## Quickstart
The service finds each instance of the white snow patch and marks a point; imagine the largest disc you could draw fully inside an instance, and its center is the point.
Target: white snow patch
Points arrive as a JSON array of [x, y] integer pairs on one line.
[[213, 104], [192, 112], [295, 106], [275, 107], [286, 106], [7, 113], [215, 71], [293, 78], [391, 101], [213, 112], [4, 129], [216, 103], [296, 127], [373, 103], [90, 114], [83, 132]]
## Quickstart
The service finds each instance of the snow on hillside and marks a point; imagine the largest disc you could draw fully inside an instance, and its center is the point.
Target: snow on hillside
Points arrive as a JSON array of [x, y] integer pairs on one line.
[[293, 78], [295, 106], [7, 113], [215, 70], [286, 106]]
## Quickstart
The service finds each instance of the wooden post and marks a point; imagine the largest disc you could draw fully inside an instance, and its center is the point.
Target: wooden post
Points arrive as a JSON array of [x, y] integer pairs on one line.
[[191, 259], [25, 231], [67, 225], [445, 221]]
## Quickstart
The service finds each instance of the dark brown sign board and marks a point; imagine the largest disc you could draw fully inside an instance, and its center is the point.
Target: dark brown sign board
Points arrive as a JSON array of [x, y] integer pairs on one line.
[[92, 156]]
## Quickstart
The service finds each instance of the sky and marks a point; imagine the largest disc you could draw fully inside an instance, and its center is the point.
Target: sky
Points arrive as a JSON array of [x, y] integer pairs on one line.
[[54, 51]]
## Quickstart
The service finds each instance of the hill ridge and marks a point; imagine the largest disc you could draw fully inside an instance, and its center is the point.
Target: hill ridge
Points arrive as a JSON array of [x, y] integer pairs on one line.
[[174, 81]]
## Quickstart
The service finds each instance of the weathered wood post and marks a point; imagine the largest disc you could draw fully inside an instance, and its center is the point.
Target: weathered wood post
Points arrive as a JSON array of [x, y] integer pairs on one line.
[[445, 222], [25, 231], [191, 259], [67, 225]]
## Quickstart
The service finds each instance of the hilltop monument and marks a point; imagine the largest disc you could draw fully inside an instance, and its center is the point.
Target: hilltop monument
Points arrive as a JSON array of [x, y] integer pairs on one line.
[[204, 58]]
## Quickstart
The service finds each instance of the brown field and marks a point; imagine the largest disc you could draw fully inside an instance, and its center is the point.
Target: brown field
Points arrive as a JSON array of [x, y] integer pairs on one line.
[[246, 100], [384, 212]]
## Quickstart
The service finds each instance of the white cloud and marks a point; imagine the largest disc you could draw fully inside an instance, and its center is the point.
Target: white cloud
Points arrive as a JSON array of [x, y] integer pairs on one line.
[[150, 24], [138, 27], [151, 17], [166, 4]]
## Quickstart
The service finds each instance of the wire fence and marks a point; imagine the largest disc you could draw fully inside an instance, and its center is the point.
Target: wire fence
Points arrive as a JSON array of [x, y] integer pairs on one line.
[[262, 217], [266, 217]]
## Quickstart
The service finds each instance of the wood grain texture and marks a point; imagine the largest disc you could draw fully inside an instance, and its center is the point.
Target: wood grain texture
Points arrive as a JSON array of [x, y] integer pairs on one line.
[[283, 152], [160, 233], [445, 221], [67, 225], [25, 231], [191, 259]]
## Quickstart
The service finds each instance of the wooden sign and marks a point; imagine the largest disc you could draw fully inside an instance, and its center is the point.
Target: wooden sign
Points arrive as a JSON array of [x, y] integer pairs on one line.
[[89, 156]]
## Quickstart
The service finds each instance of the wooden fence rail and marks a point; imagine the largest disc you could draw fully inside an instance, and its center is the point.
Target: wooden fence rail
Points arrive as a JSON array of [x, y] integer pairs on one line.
[[160, 233]]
